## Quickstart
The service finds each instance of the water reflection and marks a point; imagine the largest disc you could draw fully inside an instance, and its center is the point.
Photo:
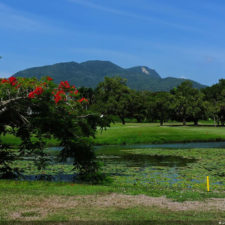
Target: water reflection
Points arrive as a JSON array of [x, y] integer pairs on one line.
[[190, 145], [133, 168], [138, 160]]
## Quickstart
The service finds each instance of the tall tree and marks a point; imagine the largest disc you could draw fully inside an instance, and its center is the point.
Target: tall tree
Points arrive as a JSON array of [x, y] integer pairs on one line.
[[113, 97], [43, 109], [188, 103], [198, 108], [161, 106], [138, 105], [215, 95]]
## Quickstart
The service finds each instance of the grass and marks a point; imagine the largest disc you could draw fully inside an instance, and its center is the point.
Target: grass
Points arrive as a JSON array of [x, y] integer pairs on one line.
[[146, 133], [11, 140], [48, 201]]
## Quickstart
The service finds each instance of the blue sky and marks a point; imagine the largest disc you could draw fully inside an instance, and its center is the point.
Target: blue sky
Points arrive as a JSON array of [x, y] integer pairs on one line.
[[175, 37]]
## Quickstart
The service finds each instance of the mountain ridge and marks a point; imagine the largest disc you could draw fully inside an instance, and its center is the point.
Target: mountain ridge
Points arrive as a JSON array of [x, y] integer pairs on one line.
[[90, 73]]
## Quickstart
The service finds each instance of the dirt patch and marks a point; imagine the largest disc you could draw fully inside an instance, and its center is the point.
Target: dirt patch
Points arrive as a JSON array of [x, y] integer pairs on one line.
[[38, 208], [44, 206], [128, 201]]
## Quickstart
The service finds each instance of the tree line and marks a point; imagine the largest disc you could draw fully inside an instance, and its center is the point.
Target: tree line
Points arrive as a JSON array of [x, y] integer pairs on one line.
[[114, 99]]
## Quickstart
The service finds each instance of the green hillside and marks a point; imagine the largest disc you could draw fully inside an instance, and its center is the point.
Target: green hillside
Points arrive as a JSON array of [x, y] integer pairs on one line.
[[90, 73]]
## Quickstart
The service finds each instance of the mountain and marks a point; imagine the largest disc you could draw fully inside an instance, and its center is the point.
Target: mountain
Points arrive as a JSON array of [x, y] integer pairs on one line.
[[90, 73]]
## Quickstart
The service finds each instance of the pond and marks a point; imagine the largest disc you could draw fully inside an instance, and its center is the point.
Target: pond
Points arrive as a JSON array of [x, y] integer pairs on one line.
[[189, 145], [125, 167]]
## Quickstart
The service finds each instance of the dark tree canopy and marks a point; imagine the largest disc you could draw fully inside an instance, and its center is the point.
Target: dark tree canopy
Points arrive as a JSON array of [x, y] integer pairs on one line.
[[113, 97], [41, 109]]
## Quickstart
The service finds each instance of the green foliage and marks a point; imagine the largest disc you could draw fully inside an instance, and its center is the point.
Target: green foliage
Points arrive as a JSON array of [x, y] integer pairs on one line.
[[7, 157], [189, 103], [113, 97], [160, 106], [138, 105], [40, 115], [215, 95]]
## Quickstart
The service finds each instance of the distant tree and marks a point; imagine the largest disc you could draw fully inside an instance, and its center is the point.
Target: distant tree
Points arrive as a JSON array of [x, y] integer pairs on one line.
[[138, 105], [113, 97], [188, 103], [198, 108], [215, 95], [161, 106]]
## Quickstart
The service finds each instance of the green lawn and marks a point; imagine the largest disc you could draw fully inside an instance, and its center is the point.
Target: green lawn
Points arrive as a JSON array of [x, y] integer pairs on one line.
[[46, 201], [146, 133], [14, 141], [135, 133]]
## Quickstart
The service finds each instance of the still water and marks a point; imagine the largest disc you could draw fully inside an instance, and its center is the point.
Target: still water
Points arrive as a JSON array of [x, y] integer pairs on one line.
[[132, 168]]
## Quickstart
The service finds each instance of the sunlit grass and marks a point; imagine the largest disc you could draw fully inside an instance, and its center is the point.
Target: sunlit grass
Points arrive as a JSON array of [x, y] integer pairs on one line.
[[140, 133], [11, 140]]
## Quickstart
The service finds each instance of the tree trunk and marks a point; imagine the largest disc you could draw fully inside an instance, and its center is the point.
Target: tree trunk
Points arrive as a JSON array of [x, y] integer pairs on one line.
[[123, 120], [184, 122], [214, 121], [138, 119], [196, 122], [161, 122]]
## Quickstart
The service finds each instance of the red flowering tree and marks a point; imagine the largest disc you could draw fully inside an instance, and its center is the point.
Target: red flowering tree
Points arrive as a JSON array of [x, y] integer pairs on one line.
[[40, 108]]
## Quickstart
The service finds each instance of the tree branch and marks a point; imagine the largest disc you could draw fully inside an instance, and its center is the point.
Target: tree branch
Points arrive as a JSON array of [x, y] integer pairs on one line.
[[4, 103]]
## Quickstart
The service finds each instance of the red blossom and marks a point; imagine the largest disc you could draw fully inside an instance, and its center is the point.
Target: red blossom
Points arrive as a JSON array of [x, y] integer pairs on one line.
[[37, 91], [31, 95], [64, 84], [58, 96], [49, 78], [4, 81], [12, 81], [83, 99]]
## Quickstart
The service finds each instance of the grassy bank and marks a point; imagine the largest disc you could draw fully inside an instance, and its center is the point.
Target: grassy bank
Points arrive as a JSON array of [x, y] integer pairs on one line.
[[11, 140], [145, 133], [135, 133], [45, 201]]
